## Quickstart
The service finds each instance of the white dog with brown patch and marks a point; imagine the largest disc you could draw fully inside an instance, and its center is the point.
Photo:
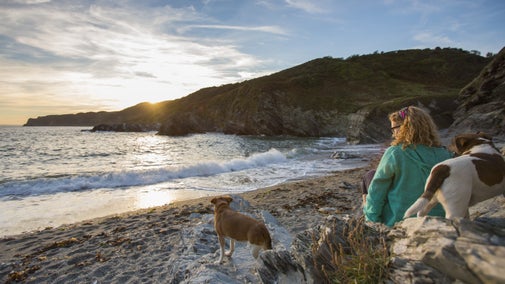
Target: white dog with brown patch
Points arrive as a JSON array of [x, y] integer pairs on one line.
[[238, 227], [458, 183]]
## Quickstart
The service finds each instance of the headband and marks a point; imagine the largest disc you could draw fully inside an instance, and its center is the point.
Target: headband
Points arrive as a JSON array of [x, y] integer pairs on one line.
[[403, 112]]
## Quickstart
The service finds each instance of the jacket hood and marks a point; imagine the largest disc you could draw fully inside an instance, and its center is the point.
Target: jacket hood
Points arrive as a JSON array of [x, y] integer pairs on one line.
[[426, 157]]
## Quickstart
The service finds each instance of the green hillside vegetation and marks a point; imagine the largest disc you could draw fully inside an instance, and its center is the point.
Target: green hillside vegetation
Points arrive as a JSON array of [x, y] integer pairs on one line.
[[347, 85]]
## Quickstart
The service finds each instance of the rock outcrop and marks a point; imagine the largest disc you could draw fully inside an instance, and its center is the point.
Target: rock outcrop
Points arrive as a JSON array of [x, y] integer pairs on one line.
[[418, 250], [269, 116], [444, 251], [127, 127], [482, 102], [422, 250]]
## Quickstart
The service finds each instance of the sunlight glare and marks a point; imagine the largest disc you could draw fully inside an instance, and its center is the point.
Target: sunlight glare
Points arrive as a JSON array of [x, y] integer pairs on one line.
[[153, 198]]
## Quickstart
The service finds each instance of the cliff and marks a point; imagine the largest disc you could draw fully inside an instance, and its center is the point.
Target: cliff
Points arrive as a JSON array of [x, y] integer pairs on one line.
[[481, 104], [323, 97], [143, 113]]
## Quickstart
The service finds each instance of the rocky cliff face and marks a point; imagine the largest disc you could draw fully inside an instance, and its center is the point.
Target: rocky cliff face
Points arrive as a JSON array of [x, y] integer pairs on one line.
[[274, 114], [482, 102], [269, 114]]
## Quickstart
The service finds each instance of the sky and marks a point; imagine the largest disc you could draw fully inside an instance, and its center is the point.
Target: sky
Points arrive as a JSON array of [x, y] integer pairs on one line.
[[70, 56]]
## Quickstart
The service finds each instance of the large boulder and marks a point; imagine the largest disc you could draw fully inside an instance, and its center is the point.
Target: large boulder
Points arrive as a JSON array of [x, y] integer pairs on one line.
[[126, 127]]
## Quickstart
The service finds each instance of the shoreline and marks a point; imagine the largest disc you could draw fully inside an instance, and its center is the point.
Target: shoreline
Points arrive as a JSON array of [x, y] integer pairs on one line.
[[63, 209], [186, 199], [34, 217], [109, 249]]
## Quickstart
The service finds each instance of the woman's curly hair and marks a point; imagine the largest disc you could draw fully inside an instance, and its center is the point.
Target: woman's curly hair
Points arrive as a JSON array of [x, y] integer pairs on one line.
[[416, 127]]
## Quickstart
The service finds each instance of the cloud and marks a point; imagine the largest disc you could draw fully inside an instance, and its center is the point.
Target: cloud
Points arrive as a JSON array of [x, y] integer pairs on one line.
[[307, 6], [103, 40], [265, 29], [430, 39], [113, 54], [122, 54], [145, 74], [27, 2]]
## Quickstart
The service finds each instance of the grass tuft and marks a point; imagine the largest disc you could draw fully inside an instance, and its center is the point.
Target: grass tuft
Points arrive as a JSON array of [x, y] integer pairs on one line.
[[351, 253]]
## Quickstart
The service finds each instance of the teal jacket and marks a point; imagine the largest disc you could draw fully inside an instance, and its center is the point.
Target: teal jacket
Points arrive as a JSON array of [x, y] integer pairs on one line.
[[399, 181]]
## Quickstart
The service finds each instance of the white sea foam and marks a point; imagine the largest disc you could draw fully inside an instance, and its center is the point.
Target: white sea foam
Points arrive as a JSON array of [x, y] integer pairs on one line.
[[57, 175], [127, 178]]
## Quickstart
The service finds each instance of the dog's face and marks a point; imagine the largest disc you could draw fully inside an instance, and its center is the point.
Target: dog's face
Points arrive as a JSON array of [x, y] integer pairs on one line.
[[464, 142], [217, 201]]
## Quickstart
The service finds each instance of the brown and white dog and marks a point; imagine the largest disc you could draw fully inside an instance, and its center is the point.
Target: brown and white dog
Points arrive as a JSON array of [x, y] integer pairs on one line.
[[458, 183], [238, 227]]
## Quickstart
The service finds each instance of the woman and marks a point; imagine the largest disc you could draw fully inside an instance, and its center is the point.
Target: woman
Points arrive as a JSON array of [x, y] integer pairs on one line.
[[403, 169]]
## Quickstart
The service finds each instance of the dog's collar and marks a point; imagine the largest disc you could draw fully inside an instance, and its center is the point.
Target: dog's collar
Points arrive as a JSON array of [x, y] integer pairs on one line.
[[487, 141]]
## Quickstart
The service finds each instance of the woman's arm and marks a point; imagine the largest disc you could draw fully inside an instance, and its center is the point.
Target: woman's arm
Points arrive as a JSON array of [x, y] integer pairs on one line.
[[379, 187]]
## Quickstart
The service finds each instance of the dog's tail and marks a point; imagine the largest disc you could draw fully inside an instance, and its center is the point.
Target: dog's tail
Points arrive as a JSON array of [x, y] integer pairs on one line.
[[437, 176]]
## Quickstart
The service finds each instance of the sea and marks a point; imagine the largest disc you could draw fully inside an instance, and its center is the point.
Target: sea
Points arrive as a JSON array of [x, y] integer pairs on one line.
[[50, 176]]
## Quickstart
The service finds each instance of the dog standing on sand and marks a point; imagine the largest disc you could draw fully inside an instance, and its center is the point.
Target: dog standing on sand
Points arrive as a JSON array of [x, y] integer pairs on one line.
[[238, 227], [458, 183]]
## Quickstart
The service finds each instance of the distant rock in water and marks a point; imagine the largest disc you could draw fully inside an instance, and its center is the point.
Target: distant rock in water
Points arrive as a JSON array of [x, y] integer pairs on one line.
[[127, 127], [344, 155]]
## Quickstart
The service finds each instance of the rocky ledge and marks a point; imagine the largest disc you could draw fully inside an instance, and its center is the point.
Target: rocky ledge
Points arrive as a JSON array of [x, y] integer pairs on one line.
[[419, 250], [422, 250]]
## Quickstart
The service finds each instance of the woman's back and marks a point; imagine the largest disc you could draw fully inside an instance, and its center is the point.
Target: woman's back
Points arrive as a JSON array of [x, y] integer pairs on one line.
[[402, 172]]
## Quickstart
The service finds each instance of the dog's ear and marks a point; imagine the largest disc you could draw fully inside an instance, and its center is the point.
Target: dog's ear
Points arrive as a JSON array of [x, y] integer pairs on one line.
[[460, 144], [213, 200], [228, 199]]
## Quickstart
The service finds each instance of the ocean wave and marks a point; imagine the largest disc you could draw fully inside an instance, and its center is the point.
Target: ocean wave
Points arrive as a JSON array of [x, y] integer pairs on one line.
[[129, 178]]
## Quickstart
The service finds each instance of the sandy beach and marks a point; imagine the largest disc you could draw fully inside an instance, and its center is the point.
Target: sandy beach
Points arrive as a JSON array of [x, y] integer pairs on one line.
[[143, 246]]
